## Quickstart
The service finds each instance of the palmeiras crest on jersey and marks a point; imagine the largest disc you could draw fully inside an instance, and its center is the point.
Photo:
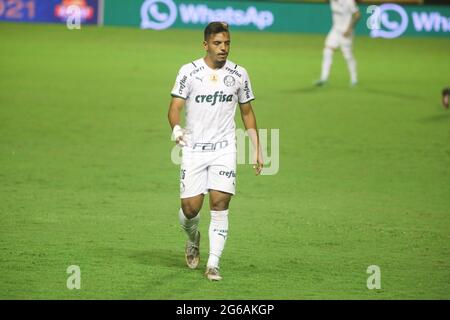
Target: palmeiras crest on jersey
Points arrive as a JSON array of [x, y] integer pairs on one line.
[[229, 81]]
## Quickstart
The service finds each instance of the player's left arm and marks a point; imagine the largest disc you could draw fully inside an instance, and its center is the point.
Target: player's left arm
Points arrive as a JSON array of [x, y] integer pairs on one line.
[[355, 17], [249, 120]]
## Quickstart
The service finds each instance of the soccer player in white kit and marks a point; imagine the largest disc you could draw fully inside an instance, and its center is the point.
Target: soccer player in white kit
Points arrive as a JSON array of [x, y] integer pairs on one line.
[[210, 88], [345, 15]]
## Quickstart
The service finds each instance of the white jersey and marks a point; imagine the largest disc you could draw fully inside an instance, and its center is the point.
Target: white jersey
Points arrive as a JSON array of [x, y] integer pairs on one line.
[[211, 98], [342, 11]]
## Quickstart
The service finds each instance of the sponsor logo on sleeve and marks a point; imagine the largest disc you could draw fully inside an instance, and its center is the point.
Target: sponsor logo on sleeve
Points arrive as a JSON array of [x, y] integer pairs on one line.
[[182, 84], [247, 90]]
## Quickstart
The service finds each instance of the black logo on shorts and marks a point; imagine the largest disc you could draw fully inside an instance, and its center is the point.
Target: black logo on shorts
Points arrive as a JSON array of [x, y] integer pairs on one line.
[[209, 146], [228, 174], [229, 81]]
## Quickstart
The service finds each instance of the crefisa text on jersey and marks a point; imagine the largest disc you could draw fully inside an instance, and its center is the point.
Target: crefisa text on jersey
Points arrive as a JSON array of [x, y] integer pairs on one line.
[[182, 84], [218, 96], [233, 71], [257, 309]]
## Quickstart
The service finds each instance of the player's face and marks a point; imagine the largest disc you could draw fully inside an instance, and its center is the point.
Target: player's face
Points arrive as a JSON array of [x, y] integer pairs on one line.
[[218, 47]]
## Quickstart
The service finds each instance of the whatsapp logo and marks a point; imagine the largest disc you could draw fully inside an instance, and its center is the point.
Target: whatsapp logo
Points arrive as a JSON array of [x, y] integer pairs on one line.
[[158, 14], [388, 21]]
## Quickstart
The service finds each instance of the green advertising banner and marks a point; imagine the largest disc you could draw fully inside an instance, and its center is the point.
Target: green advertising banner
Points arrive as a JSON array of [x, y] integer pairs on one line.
[[386, 20]]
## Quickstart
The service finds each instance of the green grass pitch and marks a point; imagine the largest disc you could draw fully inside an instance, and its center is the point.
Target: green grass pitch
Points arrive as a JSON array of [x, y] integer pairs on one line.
[[87, 180]]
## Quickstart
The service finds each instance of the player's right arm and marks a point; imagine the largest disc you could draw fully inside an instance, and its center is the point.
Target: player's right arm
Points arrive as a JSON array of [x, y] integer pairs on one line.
[[180, 93], [174, 115], [175, 108], [355, 17]]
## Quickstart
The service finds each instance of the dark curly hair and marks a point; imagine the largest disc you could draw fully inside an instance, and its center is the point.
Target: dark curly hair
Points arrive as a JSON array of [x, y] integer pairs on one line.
[[214, 28]]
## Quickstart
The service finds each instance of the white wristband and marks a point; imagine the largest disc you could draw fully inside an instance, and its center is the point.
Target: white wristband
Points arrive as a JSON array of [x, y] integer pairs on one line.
[[177, 133]]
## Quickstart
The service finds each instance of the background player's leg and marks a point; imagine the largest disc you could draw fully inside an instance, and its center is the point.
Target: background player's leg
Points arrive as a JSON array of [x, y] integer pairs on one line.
[[218, 228], [351, 62], [327, 61], [331, 43]]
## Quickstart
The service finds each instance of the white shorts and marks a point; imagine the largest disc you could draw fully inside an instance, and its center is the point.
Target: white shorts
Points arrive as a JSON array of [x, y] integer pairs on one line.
[[203, 171], [335, 39]]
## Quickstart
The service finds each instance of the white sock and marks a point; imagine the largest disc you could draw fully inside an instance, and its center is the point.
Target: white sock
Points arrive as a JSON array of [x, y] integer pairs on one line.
[[351, 63], [190, 226], [218, 233], [327, 60]]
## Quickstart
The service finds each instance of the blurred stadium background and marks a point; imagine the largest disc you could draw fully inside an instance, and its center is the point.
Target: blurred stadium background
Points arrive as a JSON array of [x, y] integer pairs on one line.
[[87, 179]]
